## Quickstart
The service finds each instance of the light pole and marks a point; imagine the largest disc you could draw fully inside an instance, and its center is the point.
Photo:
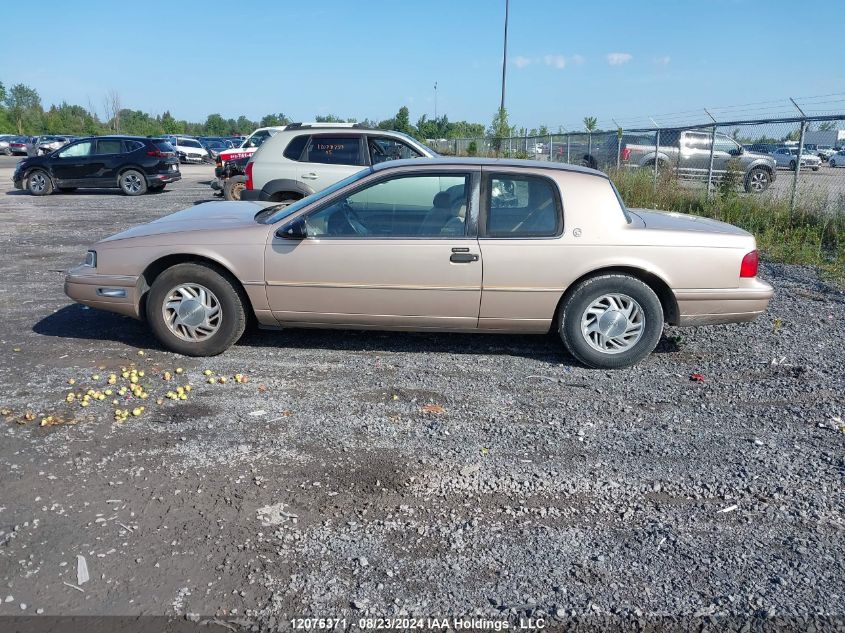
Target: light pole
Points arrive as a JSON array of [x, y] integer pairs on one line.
[[435, 100], [504, 57]]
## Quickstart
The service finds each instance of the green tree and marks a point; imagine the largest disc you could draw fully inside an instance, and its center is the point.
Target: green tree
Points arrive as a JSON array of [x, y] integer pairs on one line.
[[24, 106], [823, 127], [402, 121], [168, 123], [270, 120], [499, 129], [244, 125], [590, 123], [328, 118], [215, 125]]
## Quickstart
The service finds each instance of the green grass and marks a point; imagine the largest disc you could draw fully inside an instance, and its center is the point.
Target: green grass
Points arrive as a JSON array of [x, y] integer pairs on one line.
[[812, 235]]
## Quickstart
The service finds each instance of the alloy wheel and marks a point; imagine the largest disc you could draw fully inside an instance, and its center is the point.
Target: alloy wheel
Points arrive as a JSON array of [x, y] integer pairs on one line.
[[758, 181], [192, 312], [613, 323], [132, 183], [37, 182]]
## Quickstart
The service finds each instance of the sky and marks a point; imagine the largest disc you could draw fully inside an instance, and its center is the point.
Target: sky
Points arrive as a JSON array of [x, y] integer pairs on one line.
[[567, 59]]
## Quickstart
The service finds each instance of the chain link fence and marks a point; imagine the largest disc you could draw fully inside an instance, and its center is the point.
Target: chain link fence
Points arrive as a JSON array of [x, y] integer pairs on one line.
[[800, 160]]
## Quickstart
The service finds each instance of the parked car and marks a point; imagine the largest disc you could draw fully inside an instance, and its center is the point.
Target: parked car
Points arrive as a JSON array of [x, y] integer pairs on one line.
[[5, 140], [825, 152], [838, 159], [18, 145], [133, 164], [215, 145], [401, 245], [38, 145], [788, 157], [305, 158], [686, 153], [231, 163], [190, 150]]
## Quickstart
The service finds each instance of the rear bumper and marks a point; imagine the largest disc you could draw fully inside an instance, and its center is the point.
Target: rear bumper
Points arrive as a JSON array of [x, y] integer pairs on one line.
[[164, 178], [114, 293], [709, 306]]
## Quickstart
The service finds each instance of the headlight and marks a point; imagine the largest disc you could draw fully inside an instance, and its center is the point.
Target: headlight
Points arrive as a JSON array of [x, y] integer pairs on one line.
[[91, 259]]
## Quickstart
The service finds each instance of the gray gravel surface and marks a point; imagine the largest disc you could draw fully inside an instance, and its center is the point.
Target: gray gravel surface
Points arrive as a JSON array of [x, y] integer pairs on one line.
[[383, 474]]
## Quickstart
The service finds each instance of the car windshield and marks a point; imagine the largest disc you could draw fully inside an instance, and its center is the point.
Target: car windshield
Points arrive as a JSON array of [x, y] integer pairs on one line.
[[274, 214]]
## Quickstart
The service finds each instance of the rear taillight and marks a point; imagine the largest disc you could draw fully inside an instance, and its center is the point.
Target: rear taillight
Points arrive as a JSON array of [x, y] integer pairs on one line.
[[625, 154], [249, 175], [156, 153], [749, 265]]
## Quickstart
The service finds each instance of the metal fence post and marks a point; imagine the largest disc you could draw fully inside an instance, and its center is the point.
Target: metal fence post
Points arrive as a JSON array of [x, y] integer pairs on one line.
[[656, 152], [797, 167], [710, 168], [550, 148], [618, 148], [568, 139]]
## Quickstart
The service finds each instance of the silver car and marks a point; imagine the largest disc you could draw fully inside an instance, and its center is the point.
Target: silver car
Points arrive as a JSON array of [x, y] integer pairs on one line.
[[788, 157]]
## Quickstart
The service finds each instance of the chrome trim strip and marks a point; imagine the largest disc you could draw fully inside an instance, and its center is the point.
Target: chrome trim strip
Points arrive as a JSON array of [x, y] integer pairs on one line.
[[349, 286]]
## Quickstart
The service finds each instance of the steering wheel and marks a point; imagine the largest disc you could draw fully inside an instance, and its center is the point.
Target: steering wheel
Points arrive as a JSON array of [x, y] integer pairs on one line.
[[353, 220]]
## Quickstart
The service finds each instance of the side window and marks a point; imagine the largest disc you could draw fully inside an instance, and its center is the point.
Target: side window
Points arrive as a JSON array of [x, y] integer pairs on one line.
[[257, 139], [724, 144], [522, 206], [383, 149], [133, 146], [404, 206], [110, 146], [698, 141], [294, 149], [333, 150], [85, 148]]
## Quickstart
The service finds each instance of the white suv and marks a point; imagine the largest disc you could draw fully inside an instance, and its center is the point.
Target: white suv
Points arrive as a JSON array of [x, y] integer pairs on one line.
[[308, 157], [190, 150]]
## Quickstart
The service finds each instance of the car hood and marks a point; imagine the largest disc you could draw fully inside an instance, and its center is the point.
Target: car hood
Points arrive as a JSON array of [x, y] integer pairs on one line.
[[758, 155], [209, 216], [672, 221]]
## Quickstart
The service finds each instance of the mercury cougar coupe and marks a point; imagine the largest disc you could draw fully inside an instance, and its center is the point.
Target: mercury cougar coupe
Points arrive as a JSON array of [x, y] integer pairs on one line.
[[447, 244]]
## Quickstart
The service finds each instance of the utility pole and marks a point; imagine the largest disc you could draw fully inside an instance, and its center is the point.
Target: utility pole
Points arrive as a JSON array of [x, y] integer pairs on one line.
[[435, 100], [504, 57]]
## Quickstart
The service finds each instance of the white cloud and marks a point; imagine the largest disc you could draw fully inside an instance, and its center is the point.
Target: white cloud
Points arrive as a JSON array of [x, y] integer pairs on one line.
[[556, 61], [662, 61], [617, 59], [521, 62], [577, 59]]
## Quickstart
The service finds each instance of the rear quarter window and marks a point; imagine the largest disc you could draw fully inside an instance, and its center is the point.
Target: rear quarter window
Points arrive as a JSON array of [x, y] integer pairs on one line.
[[294, 149]]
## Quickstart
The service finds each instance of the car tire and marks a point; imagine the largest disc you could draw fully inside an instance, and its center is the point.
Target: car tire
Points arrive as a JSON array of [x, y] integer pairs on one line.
[[816, 168], [284, 199], [758, 180], [195, 310], [832, 162], [792, 165], [132, 182], [38, 183], [155, 188], [233, 187], [597, 307]]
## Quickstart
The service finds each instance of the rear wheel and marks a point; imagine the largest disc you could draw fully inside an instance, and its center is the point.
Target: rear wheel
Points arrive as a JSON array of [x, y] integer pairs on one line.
[[284, 199], [757, 180], [39, 184], [133, 183], [194, 310], [792, 165], [611, 321], [234, 187]]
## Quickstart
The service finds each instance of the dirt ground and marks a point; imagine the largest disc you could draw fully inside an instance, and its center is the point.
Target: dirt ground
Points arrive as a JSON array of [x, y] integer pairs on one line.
[[358, 475]]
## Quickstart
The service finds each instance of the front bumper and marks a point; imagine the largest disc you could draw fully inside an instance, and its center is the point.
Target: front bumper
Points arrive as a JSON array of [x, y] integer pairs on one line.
[[114, 293], [711, 306]]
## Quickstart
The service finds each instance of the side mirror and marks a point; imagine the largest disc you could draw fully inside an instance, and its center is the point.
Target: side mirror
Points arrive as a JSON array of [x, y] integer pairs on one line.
[[736, 152], [296, 230]]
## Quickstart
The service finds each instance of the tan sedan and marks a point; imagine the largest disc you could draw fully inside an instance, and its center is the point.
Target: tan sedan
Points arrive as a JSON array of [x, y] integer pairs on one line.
[[461, 245]]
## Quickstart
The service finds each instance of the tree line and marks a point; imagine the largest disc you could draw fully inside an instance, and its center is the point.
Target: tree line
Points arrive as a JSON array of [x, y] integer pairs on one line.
[[22, 112]]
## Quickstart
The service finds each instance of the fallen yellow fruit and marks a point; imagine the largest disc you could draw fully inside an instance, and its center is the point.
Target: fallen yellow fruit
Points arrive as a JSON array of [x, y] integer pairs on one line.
[[179, 370], [207, 372], [136, 411], [71, 381]]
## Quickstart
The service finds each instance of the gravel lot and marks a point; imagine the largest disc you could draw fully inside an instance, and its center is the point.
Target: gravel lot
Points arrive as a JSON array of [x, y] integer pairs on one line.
[[385, 474]]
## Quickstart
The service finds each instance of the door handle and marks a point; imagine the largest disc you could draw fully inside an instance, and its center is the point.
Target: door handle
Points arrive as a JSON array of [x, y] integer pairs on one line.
[[463, 258], [310, 176]]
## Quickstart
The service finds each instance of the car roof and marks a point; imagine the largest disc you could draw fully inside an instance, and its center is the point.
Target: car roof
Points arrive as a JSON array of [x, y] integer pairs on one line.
[[490, 162]]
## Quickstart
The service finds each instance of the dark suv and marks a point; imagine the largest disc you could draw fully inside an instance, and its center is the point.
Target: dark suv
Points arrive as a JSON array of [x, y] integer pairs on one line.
[[132, 164]]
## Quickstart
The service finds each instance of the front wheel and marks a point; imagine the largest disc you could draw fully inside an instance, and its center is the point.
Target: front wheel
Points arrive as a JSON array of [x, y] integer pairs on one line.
[[39, 184], [133, 183], [611, 321], [757, 180], [194, 310], [234, 187]]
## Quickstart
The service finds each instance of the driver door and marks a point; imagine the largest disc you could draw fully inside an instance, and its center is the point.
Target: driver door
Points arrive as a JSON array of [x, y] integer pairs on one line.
[[397, 252], [74, 163]]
